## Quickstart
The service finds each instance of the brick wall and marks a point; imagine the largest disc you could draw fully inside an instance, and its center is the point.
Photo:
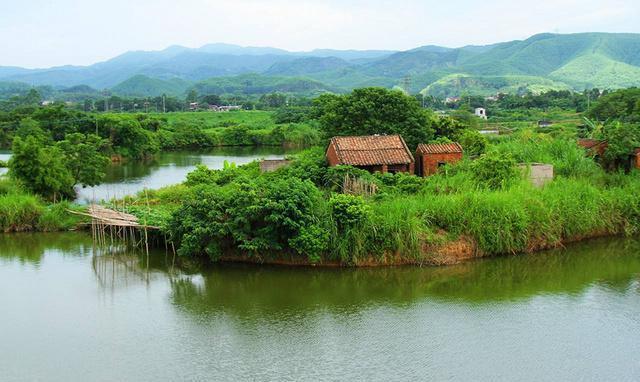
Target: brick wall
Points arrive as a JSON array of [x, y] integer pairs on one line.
[[332, 155], [431, 162]]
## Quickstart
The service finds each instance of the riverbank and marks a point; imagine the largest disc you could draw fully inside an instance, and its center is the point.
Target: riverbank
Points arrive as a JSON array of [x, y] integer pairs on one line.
[[302, 215]]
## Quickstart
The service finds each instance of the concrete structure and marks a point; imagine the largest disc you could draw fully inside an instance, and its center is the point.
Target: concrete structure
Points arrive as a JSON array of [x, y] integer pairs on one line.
[[481, 112], [538, 173], [270, 165], [545, 123], [374, 153], [433, 156]]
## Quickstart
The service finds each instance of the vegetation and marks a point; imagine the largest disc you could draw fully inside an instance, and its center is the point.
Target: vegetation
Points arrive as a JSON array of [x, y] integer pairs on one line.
[[21, 211]]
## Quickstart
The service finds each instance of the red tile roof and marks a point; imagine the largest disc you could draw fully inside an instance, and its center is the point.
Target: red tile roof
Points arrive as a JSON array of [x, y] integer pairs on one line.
[[439, 148], [372, 150]]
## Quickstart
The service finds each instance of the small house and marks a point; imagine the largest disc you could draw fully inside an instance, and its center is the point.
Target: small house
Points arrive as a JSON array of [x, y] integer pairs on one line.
[[374, 153], [430, 157], [594, 147], [545, 123], [481, 112]]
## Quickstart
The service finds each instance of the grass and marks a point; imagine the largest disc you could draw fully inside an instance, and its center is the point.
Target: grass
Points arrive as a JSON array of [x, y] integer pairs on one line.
[[21, 211]]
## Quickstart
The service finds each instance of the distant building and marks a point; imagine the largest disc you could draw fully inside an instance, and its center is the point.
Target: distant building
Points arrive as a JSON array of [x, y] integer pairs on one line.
[[481, 112], [452, 100], [374, 153], [193, 106], [430, 157], [221, 109], [545, 123]]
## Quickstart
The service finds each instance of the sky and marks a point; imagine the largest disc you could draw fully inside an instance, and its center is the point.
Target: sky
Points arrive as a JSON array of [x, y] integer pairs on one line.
[[45, 33]]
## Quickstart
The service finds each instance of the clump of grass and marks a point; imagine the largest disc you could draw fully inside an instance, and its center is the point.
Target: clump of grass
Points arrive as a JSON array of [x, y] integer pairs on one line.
[[56, 217], [19, 212]]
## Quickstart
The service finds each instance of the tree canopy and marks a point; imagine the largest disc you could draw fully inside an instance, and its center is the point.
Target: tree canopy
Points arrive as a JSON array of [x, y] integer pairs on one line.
[[371, 111]]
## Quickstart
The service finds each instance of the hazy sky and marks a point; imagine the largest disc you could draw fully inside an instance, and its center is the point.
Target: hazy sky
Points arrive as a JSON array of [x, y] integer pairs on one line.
[[43, 33]]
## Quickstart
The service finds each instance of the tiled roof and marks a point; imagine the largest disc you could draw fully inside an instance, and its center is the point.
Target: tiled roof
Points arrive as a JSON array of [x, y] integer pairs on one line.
[[372, 150], [590, 143], [439, 148]]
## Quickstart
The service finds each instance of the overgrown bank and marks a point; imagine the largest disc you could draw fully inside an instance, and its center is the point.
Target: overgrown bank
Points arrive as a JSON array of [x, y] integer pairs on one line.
[[302, 214]]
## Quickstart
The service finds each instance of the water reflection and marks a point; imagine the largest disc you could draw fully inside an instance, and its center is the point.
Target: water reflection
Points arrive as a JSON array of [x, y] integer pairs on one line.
[[575, 312], [612, 264]]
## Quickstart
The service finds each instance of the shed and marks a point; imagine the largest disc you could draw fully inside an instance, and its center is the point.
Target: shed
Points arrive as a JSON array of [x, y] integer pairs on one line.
[[544, 123], [374, 153], [432, 156]]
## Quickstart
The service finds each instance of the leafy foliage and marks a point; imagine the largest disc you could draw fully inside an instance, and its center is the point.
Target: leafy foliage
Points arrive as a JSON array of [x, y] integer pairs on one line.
[[372, 111]]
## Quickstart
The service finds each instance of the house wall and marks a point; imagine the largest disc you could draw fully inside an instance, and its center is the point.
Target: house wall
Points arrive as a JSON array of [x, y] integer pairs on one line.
[[429, 162], [332, 156]]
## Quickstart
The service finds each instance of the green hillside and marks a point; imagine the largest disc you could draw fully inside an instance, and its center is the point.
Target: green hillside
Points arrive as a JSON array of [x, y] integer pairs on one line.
[[146, 86], [457, 84], [256, 84]]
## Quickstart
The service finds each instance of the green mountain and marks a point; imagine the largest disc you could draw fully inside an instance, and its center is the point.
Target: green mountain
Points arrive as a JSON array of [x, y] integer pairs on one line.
[[143, 86], [541, 62]]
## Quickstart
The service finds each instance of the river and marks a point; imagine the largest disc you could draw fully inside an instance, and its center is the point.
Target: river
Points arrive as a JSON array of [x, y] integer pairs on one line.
[[165, 169], [69, 313]]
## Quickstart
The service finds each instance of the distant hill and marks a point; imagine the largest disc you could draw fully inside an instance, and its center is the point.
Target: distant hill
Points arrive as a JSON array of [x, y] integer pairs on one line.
[[143, 86], [541, 62], [257, 84]]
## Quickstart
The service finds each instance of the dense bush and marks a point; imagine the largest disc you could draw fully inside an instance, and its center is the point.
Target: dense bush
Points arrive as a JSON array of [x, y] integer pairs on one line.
[[255, 217]]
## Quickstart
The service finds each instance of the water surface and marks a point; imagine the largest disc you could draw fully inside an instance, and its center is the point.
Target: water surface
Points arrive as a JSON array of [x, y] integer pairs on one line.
[[70, 313]]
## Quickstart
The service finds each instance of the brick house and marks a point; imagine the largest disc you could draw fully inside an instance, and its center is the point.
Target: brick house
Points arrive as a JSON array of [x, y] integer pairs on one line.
[[374, 153], [594, 147], [430, 157], [597, 148]]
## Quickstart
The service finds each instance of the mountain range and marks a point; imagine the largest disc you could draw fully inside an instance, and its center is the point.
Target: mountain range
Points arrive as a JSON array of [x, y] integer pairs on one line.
[[541, 62]]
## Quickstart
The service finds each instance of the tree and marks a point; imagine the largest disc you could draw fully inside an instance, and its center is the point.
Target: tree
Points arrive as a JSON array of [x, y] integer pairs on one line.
[[84, 158], [212, 99], [622, 141], [371, 111], [473, 143], [41, 168]]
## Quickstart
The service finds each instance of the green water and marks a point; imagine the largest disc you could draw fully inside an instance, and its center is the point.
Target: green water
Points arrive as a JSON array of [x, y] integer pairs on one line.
[[68, 313]]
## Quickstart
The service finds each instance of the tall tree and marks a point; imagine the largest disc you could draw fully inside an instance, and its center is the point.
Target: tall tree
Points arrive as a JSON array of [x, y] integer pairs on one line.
[[375, 111]]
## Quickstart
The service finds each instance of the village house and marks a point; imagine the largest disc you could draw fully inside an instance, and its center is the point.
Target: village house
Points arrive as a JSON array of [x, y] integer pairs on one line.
[[374, 153], [545, 123], [481, 112], [597, 148], [430, 157]]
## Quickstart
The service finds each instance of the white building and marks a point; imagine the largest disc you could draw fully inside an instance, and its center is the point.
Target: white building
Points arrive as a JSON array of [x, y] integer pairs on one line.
[[481, 113]]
